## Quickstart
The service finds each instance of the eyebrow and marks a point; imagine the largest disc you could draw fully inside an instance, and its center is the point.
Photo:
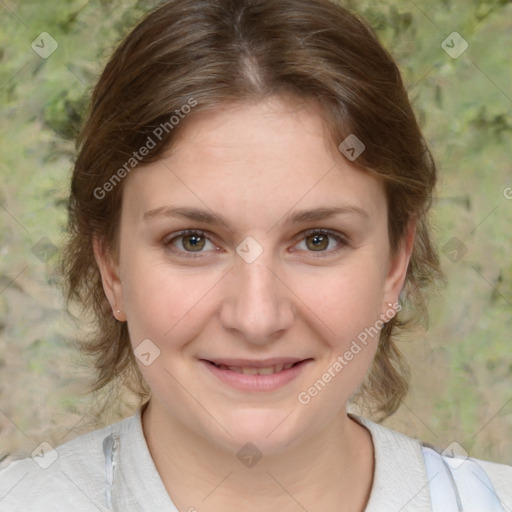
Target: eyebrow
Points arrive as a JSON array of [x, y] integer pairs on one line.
[[198, 215]]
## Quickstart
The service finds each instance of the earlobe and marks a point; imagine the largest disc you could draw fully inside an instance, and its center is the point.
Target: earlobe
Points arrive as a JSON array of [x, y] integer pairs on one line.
[[112, 285]]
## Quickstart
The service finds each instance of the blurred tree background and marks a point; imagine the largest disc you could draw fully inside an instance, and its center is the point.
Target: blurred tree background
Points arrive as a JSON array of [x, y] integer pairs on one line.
[[461, 367]]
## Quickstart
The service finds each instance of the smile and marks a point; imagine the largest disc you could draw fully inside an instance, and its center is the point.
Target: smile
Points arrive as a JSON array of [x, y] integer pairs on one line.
[[248, 375], [251, 370]]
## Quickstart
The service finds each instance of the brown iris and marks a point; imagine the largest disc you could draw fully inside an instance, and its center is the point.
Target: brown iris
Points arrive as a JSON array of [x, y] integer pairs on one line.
[[317, 242], [193, 242]]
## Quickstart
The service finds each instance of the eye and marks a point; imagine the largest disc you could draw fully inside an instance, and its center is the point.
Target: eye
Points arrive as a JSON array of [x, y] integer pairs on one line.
[[194, 243], [321, 241], [189, 242]]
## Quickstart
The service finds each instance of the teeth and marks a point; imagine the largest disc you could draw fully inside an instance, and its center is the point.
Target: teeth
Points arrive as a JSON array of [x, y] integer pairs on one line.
[[266, 371], [269, 370], [248, 371]]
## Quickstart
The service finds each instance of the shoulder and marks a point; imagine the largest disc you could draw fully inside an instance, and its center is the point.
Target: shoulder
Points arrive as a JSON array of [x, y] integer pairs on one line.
[[501, 477], [473, 483], [68, 477], [401, 471]]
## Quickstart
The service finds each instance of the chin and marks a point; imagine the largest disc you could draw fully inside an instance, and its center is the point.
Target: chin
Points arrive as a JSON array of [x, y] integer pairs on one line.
[[267, 431]]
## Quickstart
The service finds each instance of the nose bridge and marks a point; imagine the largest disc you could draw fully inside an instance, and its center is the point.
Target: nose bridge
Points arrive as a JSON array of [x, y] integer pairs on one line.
[[258, 303]]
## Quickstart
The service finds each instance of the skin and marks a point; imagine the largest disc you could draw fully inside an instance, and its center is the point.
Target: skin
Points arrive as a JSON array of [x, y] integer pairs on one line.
[[255, 164]]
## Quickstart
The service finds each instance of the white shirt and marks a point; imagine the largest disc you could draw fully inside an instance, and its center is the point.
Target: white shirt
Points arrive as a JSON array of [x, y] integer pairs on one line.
[[76, 481]]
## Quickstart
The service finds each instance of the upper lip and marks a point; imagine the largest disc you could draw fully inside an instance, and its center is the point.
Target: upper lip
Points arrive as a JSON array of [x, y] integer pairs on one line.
[[254, 363]]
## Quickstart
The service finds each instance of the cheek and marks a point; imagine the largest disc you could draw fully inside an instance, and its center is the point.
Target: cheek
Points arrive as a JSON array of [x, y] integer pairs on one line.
[[345, 305], [346, 299], [160, 301]]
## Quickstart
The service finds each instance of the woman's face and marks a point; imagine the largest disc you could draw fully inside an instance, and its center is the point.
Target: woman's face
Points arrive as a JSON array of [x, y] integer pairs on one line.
[[288, 263]]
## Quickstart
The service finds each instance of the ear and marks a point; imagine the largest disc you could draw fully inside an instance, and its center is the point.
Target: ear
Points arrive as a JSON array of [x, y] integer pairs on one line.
[[109, 270], [398, 265]]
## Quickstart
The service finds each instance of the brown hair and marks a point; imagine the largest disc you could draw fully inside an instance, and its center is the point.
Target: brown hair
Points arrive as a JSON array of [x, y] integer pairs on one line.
[[207, 53]]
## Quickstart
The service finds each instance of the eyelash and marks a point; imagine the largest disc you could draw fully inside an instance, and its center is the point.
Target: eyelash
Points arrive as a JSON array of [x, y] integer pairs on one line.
[[342, 241]]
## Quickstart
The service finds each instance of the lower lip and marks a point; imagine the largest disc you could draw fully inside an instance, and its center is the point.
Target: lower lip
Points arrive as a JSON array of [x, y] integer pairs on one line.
[[256, 382]]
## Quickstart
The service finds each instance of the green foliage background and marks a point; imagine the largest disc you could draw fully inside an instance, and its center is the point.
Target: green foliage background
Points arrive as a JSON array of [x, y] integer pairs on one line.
[[462, 367]]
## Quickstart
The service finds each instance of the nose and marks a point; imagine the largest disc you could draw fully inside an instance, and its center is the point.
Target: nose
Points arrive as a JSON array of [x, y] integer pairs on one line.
[[258, 305]]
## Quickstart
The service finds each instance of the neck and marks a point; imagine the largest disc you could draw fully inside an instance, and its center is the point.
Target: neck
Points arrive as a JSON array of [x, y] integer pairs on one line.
[[332, 469]]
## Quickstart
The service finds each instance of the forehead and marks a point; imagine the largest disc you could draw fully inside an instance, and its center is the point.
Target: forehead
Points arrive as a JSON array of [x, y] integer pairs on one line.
[[261, 157]]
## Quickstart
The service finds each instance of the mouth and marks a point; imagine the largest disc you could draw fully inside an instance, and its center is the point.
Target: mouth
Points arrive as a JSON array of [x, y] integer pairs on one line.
[[254, 375], [256, 369]]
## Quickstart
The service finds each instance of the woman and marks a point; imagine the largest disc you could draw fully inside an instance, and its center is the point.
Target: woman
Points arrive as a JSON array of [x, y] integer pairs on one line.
[[248, 225]]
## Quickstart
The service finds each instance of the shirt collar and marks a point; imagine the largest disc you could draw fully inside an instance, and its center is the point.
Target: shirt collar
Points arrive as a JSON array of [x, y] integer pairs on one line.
[[400, 482]]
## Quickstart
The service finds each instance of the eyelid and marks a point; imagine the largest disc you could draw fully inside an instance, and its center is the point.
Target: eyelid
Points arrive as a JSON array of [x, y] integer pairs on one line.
[[323, 231]]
